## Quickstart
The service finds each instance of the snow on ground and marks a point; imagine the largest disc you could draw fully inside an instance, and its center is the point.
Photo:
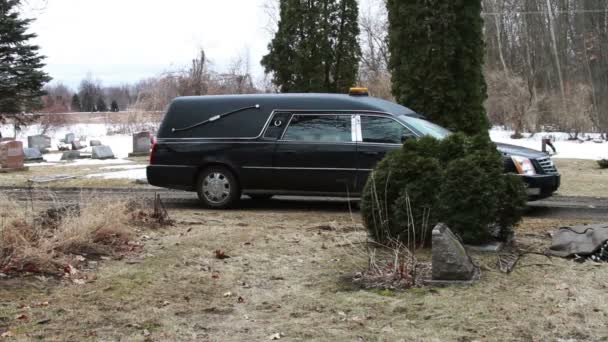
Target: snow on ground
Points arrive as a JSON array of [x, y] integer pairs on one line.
[[121, 145], [565, 149], [126, 174], [125, 167]]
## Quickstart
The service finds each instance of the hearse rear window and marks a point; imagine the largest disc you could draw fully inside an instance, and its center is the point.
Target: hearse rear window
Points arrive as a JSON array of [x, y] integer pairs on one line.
[[319, 128]]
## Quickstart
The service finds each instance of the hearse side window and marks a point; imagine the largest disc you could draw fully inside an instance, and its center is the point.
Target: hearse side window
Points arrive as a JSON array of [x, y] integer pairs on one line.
[[319, 128], [382, 130]]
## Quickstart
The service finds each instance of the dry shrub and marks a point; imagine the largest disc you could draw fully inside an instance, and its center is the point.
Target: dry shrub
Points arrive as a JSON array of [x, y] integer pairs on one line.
[[93, 232], [155, 216], [31, 243], [23, 246], [393, 266]]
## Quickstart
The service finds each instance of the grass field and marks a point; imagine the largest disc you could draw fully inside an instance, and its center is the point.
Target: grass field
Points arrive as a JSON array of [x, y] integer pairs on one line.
[[288, 275], [582, 178]]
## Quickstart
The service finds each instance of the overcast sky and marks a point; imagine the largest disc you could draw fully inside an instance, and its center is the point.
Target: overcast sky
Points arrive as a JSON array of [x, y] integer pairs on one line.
[[120, 41], [126, 40]]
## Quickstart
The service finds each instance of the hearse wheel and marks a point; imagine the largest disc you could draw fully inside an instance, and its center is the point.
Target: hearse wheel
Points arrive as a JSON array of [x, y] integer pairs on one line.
[[217, 188], [260, 197]]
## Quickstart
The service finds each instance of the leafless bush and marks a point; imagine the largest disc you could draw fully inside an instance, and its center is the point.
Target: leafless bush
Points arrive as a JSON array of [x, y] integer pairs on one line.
[[511, 102], [30, 243], [49, 122], [135, 122], [393, 264]]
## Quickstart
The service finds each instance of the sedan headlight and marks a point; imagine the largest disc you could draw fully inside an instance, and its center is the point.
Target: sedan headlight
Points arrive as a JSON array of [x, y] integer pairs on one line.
[[524, 165]]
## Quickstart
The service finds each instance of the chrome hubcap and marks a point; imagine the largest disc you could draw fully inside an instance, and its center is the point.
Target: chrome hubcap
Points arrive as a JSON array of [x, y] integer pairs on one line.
[[216, 188]]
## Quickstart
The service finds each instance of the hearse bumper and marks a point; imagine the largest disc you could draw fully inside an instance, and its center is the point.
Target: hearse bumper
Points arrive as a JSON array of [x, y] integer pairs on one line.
[[172, 176], [540, 186]]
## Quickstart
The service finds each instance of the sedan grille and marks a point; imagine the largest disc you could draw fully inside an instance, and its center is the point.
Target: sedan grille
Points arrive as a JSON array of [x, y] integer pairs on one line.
[[547, 165]]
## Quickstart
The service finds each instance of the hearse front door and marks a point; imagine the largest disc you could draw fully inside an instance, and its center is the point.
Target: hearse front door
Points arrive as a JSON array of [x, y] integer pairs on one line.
[[376, 136], [316, 154]]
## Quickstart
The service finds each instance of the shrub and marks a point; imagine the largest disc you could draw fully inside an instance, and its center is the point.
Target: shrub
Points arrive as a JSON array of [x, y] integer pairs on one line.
[[512, 203], [458, 180], [409, 173], [603, 163]]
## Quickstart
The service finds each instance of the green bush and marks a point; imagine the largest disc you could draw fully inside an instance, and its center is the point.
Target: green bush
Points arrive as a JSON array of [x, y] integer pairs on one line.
[[411, 171], [603, 163], [458, 181]]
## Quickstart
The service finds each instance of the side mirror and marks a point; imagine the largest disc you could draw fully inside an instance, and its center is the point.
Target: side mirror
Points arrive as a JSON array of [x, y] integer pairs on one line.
[[406, 137]]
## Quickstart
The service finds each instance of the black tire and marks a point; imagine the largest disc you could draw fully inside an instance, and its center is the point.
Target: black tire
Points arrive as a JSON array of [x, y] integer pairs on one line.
[[222, 190], [260, 197]]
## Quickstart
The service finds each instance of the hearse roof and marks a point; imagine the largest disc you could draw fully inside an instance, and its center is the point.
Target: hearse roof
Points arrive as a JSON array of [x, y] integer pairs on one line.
[[190, 110]]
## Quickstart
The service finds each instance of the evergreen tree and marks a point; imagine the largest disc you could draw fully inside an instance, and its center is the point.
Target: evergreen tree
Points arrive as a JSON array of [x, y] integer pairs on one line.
[[437, 54], [76, 103], [315, 48], [101, 106], [114, 106], [21, 74]]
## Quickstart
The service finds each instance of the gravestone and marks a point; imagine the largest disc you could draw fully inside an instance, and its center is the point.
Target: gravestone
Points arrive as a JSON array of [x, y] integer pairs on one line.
[[451, 263], [70, 155], [11, 155], [102, 152], [141, 144], [95, 143], [32, 155], [69, 138], [76, 145], [41, 142]]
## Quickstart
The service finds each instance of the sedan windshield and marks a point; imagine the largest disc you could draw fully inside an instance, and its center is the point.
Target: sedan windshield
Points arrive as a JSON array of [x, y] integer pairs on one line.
[[425, 127]]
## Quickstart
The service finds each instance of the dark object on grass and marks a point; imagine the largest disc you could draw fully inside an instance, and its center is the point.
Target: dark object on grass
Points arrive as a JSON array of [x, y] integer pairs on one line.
[[603, 163], [581, 241]]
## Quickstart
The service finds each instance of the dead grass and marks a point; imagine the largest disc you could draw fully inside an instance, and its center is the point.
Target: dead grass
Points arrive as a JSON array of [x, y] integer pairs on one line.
[[286, 274], [31, 243], [582, 178]]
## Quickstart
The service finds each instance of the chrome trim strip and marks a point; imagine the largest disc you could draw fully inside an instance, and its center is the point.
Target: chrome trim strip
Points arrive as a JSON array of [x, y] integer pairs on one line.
[[348, 143], [302, 168]]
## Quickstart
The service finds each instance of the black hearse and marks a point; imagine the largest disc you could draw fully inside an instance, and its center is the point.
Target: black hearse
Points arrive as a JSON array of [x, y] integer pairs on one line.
[[297, 144]]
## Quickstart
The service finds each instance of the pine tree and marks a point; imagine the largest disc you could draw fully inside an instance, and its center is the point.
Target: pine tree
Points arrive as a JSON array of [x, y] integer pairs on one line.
[[21, 74], [315, 48], [101, 106], [76, 103], [437, 54], [114, 106]]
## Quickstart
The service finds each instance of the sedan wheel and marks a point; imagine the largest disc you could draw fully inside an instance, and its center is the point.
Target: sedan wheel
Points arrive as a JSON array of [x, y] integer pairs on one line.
[[218, 188]]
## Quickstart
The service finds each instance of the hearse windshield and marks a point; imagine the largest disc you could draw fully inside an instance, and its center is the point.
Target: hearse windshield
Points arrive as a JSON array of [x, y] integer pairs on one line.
[[425, 127]]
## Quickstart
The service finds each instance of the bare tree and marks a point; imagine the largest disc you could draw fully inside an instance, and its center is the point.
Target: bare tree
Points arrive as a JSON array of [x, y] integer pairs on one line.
[[373, 71]]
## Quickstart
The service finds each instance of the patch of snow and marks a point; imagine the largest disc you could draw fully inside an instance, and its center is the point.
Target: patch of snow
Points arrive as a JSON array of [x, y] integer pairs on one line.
[[120, 144], [127, 174], [125, 167], [566, 149]]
